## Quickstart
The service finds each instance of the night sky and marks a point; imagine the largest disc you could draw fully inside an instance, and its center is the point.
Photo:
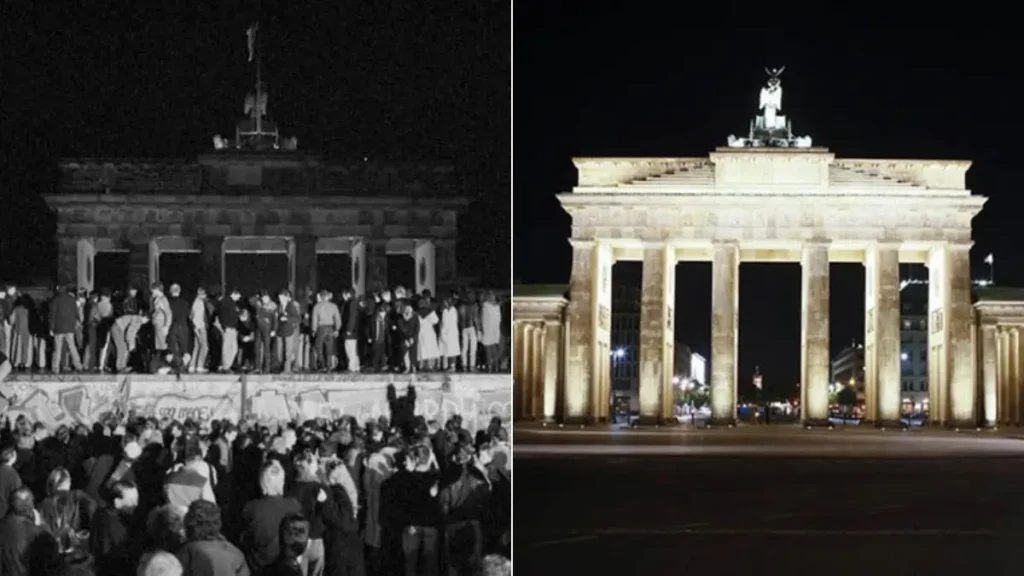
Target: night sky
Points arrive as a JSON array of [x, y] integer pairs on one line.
[[599, 82], [351, 79]]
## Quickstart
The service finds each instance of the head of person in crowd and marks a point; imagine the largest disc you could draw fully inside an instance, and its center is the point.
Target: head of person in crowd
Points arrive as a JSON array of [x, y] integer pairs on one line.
[[22, 503], [306, 464], [235, 295], [417, 458], [40, 431], [82, 431], [159, 563], [272, 478], [290, 438], [63, 434], [132, 291], [175, 290], [294, 536], [284, 297], [126, 496], [264, 298], [165, 527], [157, 289], [8, 455], [59, 480], [201, 293], [203, 522], [229, 432], [495, 565]]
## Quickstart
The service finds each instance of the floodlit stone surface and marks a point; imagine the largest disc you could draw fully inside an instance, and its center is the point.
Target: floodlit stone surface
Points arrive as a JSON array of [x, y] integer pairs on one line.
[[815, 366], [772, 205], [725, 300], [656, 333], [882, 360]]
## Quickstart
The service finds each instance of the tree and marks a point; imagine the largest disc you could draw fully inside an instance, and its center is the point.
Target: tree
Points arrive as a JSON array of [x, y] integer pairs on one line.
[[847, 396]]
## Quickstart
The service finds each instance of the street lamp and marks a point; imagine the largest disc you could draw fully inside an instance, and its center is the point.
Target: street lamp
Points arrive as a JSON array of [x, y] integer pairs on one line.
[[904, 356], [619, 352]]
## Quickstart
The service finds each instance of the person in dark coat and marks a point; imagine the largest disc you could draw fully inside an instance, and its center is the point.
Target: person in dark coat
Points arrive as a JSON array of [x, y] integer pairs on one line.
[[178, 335], [293, 540], [403, 408], [261, 519], [26, 546], [410, 508], [63, 321], [287, 330], [114, 538], [10, 480], [343, 542], [208, 552], [314, 499]]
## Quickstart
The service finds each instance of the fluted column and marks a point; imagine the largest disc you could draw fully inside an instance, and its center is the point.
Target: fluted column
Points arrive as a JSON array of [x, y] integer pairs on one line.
[[1013, 337], [989, 375], [553, 346], [814, 352], [518, 365], [1003, 372], [589, 315], [951, 372], [656, 338], [529, 345], [537, 386], [725, 298], [882, 333]]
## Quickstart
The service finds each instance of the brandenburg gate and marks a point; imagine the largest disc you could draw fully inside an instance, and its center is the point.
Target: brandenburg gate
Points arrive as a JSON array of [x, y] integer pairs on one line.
[[771, 197]]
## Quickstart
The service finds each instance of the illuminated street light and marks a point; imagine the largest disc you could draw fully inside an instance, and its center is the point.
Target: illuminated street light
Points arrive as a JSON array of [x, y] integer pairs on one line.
[[904, 356], [619, 352]]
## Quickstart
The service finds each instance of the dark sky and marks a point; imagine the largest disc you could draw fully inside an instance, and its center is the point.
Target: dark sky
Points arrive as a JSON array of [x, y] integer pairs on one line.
[[624, 82], [352, 79]]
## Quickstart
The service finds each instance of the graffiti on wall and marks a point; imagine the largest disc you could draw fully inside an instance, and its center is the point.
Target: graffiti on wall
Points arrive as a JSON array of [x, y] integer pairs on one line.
[[65, 400], [72, 400]]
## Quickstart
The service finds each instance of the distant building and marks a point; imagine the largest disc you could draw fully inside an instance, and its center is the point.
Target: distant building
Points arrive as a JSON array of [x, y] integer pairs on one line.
[[848, 368], [625, 336], [689, 365], [914, 347]]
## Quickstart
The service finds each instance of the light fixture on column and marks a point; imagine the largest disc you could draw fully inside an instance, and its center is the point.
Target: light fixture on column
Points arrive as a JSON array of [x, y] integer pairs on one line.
[[619, 353], [904, 356]]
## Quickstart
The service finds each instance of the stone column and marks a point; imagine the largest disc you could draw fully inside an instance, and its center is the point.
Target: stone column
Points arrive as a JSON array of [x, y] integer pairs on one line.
[[989, 375], [154, 262], [376, 265], [552, 367], [212, 252], [1013, 347], [425, 257], [86, 264], [518, 357], [962, 383], [582, 315], [446, 269], [814, 353], [305, 263], [882, 333], [1003, 380], [138, 256], [725, 300], [537, 386], [656, 338]]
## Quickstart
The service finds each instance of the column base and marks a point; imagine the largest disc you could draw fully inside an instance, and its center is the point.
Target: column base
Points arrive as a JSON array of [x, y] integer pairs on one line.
[[720, 423], [816, 423]]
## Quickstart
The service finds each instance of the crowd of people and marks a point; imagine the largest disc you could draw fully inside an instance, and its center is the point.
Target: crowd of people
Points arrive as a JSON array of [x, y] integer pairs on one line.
[[167, 331], [134, 495]]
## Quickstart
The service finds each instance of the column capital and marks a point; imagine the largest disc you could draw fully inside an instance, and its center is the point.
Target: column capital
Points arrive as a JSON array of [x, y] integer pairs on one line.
[[885, 245], [582, 243]]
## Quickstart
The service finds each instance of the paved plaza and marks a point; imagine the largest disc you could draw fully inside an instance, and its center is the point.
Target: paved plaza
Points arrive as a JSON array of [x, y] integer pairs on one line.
[[774, 499]]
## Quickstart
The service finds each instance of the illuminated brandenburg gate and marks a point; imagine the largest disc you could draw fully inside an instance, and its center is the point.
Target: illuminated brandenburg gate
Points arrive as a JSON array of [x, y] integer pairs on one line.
[[766, 204]]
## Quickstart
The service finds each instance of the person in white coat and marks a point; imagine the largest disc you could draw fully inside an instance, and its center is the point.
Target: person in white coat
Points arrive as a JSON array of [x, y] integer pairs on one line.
[[161, 317], [427, 351], [490, 333], [449, 340]]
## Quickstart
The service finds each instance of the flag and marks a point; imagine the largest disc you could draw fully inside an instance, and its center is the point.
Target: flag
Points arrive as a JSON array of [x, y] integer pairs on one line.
[[988, 259], [251, 35]]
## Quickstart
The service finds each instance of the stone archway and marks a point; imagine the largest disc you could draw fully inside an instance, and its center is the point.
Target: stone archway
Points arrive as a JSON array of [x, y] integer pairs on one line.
[[773, 205]]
